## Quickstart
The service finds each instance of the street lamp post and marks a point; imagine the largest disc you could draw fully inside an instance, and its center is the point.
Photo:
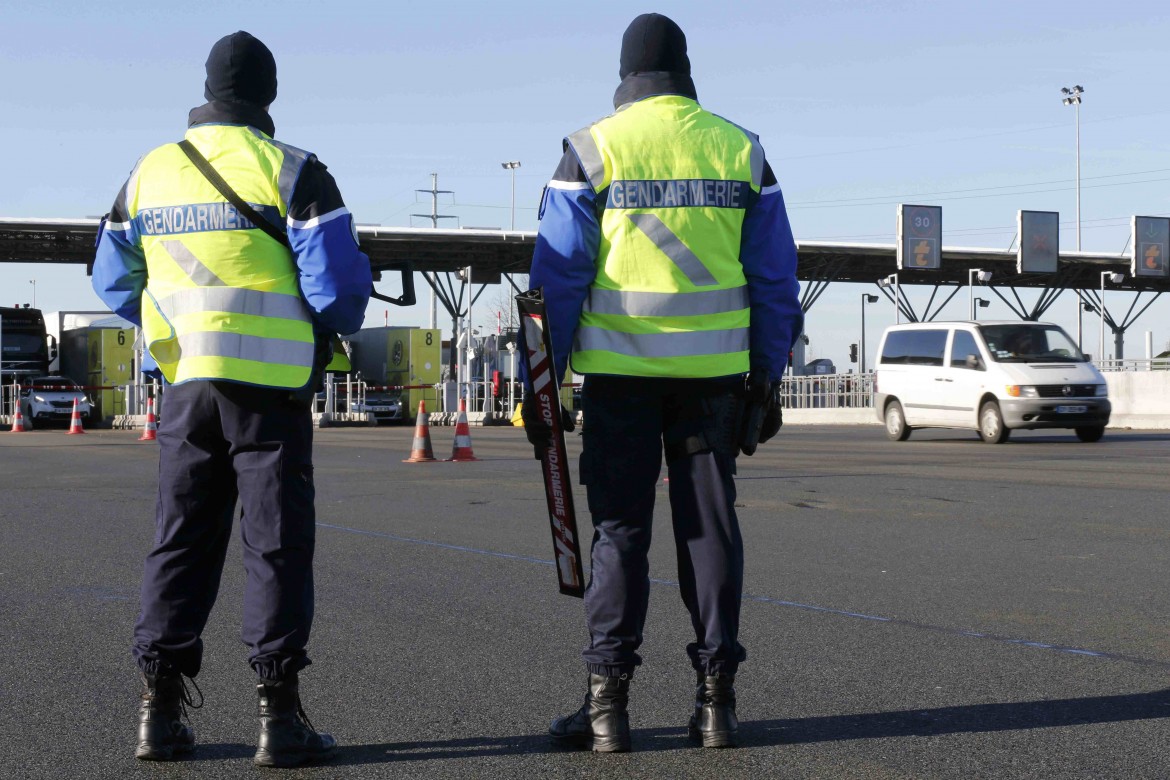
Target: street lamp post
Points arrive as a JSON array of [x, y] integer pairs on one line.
[[512, 166], [865, 298], [1116, 279], [33, 282], [973, 275], [892, 281], [1072, 97], [980, 303]]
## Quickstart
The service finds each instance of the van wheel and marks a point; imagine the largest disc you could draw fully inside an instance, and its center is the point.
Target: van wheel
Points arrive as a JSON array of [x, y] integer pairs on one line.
[[1090, 432], [991, 427], [896, 427]]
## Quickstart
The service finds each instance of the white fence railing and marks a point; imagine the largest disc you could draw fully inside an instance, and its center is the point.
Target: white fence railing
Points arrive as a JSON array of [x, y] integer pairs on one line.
[[9, 398], [827, 391]]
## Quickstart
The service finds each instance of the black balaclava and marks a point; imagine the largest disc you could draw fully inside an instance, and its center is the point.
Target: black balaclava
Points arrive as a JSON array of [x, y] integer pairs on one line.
[[653, 42], [240, 69]]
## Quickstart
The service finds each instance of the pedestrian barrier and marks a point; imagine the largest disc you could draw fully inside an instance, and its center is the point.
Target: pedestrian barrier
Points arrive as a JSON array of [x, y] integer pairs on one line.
[[420, 449], [461, 451], [827, 391], [149, 432], [75, 426]]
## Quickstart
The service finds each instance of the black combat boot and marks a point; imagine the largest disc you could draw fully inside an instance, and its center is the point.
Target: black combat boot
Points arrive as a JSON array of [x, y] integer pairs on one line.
[[287, 738], [162, 734], [714, 723], [602, 724]]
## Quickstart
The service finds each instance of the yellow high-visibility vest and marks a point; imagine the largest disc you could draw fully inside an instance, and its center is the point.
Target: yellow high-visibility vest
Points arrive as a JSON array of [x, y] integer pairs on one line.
[[670, 298], [222, 299]]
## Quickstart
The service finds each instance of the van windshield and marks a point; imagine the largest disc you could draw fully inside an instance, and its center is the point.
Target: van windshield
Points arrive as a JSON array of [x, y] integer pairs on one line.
[[1030, 343]]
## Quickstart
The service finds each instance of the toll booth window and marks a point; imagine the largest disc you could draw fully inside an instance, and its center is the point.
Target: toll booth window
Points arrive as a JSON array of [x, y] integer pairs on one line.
[[915, 347], [961, 346]]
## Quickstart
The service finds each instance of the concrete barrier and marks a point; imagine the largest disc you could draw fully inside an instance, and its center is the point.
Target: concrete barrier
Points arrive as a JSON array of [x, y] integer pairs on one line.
[[1141, 399]]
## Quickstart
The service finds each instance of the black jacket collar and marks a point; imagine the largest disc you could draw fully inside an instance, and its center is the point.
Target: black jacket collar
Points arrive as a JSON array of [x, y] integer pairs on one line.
[[223, 113], [638, 86]]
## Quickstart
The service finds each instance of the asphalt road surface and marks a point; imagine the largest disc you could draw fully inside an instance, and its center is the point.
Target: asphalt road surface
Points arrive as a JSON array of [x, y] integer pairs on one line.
[[939, 608]]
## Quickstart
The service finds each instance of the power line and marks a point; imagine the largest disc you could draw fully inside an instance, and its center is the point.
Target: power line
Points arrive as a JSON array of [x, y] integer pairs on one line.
[[979, 197], [975, 189], [956, 139]]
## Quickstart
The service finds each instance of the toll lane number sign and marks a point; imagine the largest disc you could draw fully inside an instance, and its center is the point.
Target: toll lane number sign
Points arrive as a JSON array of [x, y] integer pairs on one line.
[[1151, 237], [919, 237]]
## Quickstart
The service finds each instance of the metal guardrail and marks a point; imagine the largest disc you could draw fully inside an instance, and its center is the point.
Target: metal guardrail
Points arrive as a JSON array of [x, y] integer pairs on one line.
[[1135, 364], [827, 391]]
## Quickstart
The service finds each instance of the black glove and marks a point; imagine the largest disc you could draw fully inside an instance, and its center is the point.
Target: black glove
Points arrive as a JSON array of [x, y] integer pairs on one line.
[[764, 391], [538, 432]]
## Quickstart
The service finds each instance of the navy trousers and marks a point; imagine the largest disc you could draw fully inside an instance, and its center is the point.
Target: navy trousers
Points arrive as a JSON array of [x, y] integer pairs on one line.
[[628, 424], [220, 443]]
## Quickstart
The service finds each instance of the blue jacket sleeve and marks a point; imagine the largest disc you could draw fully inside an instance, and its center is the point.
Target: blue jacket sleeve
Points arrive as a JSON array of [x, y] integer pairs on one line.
[[335, 276], [768, 255], [565, 260], [119, 266]]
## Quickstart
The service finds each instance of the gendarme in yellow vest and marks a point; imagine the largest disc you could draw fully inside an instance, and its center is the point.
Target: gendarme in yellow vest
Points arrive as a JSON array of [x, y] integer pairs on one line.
[[222, 299], [670, 298]]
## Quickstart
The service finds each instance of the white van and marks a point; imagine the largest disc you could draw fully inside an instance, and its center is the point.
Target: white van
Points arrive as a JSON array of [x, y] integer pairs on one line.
[[989, 376]]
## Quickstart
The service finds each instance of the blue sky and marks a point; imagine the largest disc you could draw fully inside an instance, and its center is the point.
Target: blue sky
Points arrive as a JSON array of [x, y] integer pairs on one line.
[[859, 106]]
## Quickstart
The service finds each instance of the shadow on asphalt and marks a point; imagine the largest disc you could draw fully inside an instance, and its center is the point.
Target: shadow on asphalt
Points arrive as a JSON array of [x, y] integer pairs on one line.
[[974, 718]]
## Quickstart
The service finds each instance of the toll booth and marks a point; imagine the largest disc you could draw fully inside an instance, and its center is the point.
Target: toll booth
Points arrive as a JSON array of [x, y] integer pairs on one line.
[[401, 356], [100, 357]]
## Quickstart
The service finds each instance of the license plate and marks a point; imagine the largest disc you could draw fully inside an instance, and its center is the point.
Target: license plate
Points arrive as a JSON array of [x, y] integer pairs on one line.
[[1071, 409], [379, 408]]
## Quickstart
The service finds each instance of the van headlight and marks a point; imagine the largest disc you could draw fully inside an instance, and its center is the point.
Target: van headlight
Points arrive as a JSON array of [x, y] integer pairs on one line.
[[1101, 390], [1022, 391]]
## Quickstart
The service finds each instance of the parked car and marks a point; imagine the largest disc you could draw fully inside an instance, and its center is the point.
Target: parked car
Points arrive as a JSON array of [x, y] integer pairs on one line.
[[993, 377], [385, 407], [50, 399]]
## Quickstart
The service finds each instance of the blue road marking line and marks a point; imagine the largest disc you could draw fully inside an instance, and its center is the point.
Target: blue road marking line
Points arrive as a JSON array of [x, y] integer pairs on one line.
[[782, 603]]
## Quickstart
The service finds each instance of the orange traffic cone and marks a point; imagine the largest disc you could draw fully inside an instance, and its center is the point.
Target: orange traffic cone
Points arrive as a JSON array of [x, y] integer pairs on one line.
[[17, 421], [149, 432], [461, 452], [75, 420], [420, 450]]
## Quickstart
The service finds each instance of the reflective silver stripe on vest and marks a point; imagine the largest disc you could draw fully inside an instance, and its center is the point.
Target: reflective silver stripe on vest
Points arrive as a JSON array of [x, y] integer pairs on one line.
[[757, 154], [290, 166], [663, 345], [234, 301], [237, 345], [673, 247], [671, 304], [589, 156], [191, 265], [757, 159]]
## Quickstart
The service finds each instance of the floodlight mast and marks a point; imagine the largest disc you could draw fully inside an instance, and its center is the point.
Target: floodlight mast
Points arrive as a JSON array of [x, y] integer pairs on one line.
[[512, 166], [1073, 98]]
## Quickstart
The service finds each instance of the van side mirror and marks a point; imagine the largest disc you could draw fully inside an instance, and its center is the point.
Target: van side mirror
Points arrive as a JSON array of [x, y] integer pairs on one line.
[[974, 361]]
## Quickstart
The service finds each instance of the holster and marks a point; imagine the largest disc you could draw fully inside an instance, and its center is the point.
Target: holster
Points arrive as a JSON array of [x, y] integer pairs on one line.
[[709, 423]]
